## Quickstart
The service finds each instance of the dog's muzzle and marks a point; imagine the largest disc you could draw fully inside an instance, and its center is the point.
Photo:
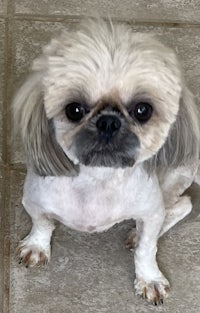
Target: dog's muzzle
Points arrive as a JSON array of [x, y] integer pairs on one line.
[[106, 141]]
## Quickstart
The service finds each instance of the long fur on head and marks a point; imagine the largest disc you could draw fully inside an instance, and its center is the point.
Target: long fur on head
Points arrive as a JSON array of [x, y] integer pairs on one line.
[[43, 152], [82, 61], [182, 144]]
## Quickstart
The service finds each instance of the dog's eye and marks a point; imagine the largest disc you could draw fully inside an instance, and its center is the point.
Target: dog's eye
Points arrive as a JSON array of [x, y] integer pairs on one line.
[[75, 111], [142, 112]]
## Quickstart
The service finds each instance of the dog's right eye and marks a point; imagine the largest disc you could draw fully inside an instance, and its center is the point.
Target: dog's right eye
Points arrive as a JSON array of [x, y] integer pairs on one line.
[[75, 111]]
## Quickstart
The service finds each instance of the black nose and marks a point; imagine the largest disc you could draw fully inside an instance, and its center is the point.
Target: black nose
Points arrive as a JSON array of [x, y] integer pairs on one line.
[[108, 126]]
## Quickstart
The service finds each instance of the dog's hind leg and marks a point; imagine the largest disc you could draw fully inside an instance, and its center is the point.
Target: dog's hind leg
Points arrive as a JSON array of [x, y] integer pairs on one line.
[[173, 184], [176, 213]]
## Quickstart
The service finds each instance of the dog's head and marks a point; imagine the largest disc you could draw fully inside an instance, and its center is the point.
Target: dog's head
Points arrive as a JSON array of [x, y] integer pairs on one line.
[[106, 96]]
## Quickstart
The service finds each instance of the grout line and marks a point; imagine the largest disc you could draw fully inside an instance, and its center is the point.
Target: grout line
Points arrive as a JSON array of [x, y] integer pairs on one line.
[[169, 24], [6, 240], [2, 172], [47, 18], [77, 18], [13, 167], [7, 86], [6, 155]]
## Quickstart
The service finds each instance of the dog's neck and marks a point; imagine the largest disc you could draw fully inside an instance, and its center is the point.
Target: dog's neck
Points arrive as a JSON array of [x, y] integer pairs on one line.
[[104, 173]]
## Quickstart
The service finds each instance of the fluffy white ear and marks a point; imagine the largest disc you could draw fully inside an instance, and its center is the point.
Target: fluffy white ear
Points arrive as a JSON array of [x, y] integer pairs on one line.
[[43, 152], [182, 144]]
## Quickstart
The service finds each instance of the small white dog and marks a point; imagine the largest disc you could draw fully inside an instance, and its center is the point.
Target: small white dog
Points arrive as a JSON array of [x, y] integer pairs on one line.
[[111, 133]]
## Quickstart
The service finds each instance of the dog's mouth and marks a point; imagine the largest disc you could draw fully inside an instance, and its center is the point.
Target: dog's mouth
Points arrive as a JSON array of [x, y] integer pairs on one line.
[[107, 158], [117, 151], [116, 155]]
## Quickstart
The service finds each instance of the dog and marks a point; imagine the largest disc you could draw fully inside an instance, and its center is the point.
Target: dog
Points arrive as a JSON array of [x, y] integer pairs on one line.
[[111, 132]]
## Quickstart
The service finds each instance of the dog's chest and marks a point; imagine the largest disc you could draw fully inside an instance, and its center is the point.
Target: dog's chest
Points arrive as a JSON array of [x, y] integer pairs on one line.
[[91, 202]]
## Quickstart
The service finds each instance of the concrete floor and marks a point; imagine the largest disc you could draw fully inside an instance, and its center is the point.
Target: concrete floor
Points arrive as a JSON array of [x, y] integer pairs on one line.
[[88, 273]]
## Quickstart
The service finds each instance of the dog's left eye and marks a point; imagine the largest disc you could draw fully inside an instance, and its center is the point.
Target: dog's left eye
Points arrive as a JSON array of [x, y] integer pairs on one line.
[[75, 111], [142, 112]]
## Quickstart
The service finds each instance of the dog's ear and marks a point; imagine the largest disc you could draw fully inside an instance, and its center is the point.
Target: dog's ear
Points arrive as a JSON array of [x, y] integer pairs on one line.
[[43, 153], [182, 144]]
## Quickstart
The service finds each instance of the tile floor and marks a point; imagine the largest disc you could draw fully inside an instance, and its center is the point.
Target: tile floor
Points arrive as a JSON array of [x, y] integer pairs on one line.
[[88, 273]]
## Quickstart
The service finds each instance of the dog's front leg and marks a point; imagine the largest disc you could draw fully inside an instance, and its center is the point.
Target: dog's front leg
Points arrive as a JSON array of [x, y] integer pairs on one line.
[[35, 249], [149, 282]]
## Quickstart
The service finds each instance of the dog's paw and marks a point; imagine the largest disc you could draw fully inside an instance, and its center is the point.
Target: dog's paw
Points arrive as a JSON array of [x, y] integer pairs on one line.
[[131, 240], [154, 291], [32, 255]]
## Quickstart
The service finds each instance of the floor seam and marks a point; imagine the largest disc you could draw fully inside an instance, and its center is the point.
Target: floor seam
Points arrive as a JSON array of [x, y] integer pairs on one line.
[[6, 155], [76, 18]]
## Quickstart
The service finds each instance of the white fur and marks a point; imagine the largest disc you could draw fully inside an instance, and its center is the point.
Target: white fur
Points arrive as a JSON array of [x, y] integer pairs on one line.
[[97, 197], [104, 61], [101, 198]]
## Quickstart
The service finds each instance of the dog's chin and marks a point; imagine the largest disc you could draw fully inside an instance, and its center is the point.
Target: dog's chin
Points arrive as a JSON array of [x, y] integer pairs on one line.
[[114, 159]]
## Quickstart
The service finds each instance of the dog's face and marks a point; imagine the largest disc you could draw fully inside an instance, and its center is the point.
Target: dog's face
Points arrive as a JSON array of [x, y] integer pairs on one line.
[[111, 96]]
